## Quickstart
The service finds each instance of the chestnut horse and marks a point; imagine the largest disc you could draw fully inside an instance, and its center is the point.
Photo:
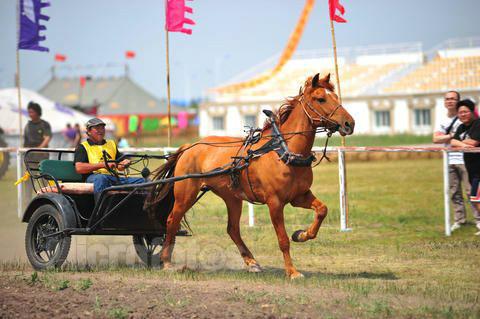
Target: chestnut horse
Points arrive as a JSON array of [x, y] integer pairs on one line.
[[267, 180]]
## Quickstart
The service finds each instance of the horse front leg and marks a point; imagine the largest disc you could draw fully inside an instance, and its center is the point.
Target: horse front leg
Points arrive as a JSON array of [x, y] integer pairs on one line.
[[276, 215], [309, 201]]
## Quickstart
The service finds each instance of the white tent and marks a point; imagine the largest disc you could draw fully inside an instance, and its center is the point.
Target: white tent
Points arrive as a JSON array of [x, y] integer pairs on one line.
[[54, 113]]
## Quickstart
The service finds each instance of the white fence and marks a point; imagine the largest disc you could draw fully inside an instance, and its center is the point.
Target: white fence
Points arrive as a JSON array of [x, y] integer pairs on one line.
[[343, 197]]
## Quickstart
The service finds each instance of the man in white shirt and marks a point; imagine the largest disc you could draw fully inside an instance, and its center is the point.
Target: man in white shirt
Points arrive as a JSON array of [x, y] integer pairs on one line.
[[456, 169]]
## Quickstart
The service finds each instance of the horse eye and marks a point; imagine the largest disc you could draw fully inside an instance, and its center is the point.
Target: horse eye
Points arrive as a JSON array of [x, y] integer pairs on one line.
[[321, 100]]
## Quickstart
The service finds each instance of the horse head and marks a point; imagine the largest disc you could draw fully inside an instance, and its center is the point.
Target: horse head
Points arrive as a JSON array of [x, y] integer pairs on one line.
[[323, 107]]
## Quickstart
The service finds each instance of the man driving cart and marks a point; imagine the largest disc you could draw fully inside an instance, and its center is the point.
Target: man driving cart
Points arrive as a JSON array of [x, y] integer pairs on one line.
[[91, 163]]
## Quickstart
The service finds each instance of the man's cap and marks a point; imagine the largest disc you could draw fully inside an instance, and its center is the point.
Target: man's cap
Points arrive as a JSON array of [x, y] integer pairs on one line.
[[94, 122]]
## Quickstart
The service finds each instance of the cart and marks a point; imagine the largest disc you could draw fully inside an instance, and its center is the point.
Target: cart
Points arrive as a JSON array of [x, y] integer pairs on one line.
[[64, 206]]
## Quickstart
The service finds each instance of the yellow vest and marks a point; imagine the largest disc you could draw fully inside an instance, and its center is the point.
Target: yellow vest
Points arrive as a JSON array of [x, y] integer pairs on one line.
[[95, 154]]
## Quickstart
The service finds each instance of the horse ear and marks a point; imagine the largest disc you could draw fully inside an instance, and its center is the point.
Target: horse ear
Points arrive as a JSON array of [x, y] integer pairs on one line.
[[315, 80], [326, 79]]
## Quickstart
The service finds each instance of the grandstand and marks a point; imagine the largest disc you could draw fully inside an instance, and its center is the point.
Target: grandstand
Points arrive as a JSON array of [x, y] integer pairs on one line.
[[442, 73], [388, 89]]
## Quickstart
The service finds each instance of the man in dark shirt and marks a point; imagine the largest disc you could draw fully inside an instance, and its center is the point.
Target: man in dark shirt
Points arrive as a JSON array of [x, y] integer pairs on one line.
[[468, 136], [38, 132], [89, 159]]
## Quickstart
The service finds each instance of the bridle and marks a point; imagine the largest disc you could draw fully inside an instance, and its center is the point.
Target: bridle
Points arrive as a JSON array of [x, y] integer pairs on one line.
[[321, 119]]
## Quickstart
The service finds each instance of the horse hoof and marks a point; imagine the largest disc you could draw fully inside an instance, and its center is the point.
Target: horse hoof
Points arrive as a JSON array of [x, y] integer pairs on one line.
[[168, 267], [254, 268], [296, 275], [296, 236]]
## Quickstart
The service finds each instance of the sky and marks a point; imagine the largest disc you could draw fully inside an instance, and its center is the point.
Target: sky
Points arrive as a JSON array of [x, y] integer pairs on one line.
[[229, 37]]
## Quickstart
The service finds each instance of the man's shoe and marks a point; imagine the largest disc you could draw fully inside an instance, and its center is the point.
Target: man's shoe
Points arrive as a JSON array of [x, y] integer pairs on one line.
[[455, 226]]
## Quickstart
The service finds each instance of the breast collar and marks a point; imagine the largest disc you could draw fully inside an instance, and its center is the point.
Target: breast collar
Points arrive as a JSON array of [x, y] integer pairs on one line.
[[277, 143]]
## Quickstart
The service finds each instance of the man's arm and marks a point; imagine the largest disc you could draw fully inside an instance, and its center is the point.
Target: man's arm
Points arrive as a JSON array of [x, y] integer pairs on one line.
[[45, 142], [460, 144], [441, 138], [47, 135]]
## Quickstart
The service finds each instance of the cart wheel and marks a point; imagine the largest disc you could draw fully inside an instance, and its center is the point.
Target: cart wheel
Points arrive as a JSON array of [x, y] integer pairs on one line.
[[4, 159], [148, 249], [46, 252]]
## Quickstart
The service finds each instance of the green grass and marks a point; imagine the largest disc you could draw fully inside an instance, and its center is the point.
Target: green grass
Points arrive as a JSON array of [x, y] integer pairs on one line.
[[355, 140], [396, 262], [377, 140]]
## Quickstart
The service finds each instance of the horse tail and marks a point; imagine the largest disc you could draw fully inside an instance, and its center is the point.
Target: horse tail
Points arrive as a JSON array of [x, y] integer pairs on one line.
[[162, 191]]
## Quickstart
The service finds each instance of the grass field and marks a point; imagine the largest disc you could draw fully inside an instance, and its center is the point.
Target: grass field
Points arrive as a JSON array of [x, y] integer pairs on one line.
[[396, 262], [355, 140]]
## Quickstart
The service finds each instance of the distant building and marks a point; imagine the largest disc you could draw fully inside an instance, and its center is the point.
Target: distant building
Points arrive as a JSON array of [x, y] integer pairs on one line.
[[127, 104], [391, 89]]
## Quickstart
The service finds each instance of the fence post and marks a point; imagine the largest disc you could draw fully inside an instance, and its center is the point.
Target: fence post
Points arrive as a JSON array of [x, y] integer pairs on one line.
[[446, 193], [343, 196], [251, 215], [19, 186]]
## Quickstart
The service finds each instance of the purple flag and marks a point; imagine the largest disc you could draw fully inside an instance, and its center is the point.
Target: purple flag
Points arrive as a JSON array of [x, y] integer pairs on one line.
[[30, 15]]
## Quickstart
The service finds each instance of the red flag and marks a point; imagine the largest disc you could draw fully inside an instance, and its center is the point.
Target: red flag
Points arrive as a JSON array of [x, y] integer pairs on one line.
[[334, 6], [175, 16], [60, 57], [129, 54], [83, 81]]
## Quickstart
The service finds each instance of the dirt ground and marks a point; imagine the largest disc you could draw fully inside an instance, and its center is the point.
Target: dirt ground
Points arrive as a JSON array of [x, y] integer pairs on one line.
[[101, 295]]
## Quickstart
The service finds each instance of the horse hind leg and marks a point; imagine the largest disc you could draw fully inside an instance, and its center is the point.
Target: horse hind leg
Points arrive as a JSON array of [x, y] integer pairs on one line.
[[185, 194], [309, 201], [234, 207]]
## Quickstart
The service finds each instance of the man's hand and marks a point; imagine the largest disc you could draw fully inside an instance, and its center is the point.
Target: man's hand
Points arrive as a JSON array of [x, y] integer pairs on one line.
[[112, 165], [123, 164]]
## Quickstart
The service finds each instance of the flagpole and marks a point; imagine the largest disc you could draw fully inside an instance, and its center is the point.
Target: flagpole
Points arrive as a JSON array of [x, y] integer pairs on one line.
[[168, 92], [17, 78], [332, 28]]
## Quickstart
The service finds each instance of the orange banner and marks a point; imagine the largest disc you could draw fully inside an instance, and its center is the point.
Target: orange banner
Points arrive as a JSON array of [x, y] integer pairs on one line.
[[286, 55]]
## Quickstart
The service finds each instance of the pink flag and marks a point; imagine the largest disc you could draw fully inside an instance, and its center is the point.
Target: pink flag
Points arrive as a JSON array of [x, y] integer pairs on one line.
[[175, 16], [335, 5]]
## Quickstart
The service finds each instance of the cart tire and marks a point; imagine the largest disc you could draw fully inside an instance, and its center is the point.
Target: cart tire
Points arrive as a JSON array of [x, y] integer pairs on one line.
[[148, 249], [50, 252], [4, 159]]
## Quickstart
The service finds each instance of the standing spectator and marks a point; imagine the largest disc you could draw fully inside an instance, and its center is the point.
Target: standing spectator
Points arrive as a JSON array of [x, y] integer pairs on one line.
[[37, 134], [468, 136], [37, 131], [78, 135], [69, 133], [456, 169]]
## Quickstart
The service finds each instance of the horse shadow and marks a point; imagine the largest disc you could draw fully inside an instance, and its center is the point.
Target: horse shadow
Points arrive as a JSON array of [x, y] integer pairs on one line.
[[268, 273], [273, 272]]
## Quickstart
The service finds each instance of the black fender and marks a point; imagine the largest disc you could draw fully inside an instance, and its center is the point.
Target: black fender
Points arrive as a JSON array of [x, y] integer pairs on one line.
[[59, 201]]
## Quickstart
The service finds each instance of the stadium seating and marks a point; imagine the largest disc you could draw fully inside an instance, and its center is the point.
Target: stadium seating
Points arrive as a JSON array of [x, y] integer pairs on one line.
[[356, 79], [375, 74], [441, 74]]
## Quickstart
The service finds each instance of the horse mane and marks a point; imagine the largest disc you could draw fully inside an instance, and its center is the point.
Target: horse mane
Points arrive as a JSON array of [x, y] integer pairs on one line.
[[286, 108], [283, 111]]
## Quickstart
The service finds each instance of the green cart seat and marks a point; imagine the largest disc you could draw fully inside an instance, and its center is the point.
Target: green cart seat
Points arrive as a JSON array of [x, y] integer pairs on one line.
[[62, 170]]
